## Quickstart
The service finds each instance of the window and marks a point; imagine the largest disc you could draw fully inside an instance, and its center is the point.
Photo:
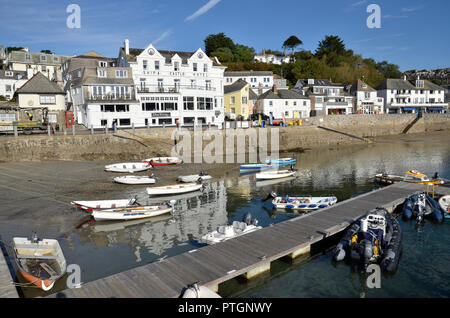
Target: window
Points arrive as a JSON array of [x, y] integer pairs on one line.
[[101, 73], [208, 103], [176, 66], [205, 68], [193, 83], [367, 95], [232, 100], [208, 85], [201, 103], [150, 106], [9, 73], [124, 122], [104, 122], [169, 106], [8, 88], [270, 103], [44, 68], [102, 63], [244, 100], [144, 64], [194, 67], [43, 58], [121, 73], [286, 103], [176, 83], [27, 57], [156, 65], [160, 84], [55, 59], [188, 103], [122, 108], [286, 113], [107, 108], [45, 99]]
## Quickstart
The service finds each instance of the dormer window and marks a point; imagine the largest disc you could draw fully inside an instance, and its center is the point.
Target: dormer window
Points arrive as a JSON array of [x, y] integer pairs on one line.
[[176, 66], [101, 73], [102, 63], [43, 58], [419, 83], [121, 74], [27, 57], [9, 73], [144, 64], [55, 59]]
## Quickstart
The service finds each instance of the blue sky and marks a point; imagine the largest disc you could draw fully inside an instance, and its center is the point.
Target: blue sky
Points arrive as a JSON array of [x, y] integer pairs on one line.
[[414, 34]]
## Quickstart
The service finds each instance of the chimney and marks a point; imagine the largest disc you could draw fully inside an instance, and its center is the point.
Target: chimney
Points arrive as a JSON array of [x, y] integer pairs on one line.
[[30, 72], [127, 46], [404, 77], [284, 52], [274, 89], [264, 51]]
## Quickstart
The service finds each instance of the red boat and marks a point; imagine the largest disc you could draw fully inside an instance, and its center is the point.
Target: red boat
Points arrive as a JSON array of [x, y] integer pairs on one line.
[[41, 262], [163, 161]]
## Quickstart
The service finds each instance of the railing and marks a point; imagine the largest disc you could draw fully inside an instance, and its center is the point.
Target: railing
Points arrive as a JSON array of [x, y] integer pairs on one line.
[[172, 89], [109, 97]]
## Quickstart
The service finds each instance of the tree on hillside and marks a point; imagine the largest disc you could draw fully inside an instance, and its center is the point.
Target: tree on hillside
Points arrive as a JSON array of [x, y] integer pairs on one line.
[[243, 53], [292, 42], [224, 54], [215, 41], [46, 51], [331, 43], [388, 70]]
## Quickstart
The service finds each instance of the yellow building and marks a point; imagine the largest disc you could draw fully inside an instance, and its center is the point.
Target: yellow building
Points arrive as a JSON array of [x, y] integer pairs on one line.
[[237, 100]]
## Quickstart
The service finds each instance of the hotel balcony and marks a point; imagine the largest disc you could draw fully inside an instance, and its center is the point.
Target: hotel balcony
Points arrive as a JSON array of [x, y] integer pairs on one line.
[[172, 89], [110, 97]]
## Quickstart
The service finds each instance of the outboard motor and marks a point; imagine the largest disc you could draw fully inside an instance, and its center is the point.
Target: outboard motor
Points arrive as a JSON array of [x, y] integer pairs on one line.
[[249, 220], [436, 175], [201, 173], [34, 238], [365, 252], [421, 208], [272, 195]]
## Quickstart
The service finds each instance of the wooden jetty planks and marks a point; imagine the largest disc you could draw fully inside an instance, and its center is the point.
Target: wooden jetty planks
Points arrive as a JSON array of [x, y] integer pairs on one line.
[[7, 288], [214, 264]]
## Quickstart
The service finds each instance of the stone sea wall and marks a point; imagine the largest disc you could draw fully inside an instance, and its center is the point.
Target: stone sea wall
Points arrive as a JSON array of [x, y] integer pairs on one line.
[[160, 142]]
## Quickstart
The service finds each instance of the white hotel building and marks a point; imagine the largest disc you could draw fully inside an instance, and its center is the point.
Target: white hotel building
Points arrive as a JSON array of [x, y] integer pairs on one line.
[[183, 87]]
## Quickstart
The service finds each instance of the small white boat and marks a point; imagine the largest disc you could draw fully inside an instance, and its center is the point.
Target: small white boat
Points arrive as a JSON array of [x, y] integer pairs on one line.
[[226, 232], [277, 174], [304, 203], [89, 206], [197, 291], [133, 213], [194, 178], [174, 189], [128, 167], [41, 262], [163, 161], [135, 180]]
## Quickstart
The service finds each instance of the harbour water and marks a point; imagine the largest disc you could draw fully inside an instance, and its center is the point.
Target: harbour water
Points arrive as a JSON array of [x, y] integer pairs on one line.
[[35, 197]]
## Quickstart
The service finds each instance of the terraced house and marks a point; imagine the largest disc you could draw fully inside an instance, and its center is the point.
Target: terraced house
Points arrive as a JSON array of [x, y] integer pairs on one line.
[[46, 64], [176, 87], [238, 104], [327, 98], [411, 96], [100, 93]]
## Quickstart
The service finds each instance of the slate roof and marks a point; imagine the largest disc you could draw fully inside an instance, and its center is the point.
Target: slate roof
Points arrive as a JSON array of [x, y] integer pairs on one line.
[[281, 94], [401, 84], [166, 54], [236, 86], [19, 57], [317, 82], [39, 84], [249, 73], [360, 86]]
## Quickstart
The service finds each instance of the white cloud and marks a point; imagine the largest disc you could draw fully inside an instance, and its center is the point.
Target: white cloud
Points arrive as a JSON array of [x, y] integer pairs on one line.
[[411, 9], [164, 35], [202, 10], [358, 3], [390, 16]]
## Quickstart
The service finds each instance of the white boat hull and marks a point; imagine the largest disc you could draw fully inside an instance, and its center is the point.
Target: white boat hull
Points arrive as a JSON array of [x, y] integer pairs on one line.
[[134, 180], [128, 167], [303, 203], [103, 204], [270, 175], [194, 178], [130, 213], [444, 203], [174, 189], [224, 233]]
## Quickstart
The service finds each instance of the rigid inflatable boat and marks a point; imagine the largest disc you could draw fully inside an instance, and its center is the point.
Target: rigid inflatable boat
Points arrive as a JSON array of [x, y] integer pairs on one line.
[[375, 237], [421, 206]]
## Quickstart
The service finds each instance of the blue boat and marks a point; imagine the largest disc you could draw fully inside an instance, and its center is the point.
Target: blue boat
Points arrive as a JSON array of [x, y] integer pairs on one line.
[[256, 167], [281, 161], [429, 209]]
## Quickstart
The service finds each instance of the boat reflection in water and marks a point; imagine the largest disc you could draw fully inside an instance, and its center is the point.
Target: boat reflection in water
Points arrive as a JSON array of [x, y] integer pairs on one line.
[[194, 215]]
